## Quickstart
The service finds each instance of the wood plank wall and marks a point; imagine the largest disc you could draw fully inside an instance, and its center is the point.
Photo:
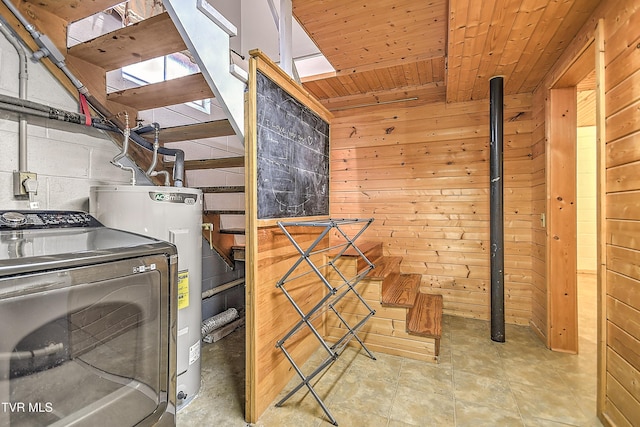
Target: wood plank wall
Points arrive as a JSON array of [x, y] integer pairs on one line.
[[538, 223], [619, 394], [272, 316], [422, 172], [622, 186]]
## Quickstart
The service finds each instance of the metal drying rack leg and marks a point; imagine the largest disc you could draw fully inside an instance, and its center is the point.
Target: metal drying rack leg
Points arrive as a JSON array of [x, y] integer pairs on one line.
[[333, 296]]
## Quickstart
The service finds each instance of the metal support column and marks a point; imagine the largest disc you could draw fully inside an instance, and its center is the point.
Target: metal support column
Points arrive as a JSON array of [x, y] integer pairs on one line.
[[497, 209]]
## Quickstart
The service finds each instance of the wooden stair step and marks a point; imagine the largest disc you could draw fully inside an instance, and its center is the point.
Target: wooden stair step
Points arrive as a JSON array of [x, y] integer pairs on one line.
[[385, 265], [169, 92], [224, 212], [224, 162], [238, 252], [223, 189], [148, 39], [400, 290], [195, 131], [372, 250], [75, 10], [239, 231], [425, 317]]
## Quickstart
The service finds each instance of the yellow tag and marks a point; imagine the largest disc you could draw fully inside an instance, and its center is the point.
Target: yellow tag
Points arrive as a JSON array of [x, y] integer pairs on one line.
[[183, 289]]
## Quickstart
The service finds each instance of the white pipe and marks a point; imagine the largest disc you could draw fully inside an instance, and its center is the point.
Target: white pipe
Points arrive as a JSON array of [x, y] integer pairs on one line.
[[22, 94], [221, 288], [156, 145], [125, 147]]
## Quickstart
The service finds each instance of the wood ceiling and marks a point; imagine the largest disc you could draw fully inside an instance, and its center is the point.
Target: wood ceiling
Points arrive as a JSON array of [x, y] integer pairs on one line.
[[437, 50]]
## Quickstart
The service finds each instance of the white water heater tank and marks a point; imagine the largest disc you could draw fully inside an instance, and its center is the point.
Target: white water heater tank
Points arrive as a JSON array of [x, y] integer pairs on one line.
[[173, 214]]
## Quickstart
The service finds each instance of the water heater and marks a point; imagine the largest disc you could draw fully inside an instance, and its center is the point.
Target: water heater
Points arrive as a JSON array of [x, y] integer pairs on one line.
[[173, 214]]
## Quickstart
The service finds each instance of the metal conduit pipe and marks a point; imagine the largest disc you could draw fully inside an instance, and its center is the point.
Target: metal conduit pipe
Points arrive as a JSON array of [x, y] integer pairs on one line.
[[48, 49], [156, 144], [22, 94], [23, 106], [125, 147]]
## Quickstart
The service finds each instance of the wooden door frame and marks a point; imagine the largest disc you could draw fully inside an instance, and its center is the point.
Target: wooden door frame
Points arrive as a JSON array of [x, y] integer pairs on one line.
[[562, 308], [561, 242]]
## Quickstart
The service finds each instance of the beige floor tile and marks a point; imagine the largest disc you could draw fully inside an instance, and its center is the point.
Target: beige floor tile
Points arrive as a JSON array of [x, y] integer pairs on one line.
[[365, 394], [476, 383], [478, 363], [426, 378], [483, 391], [549, 405], [473, 415], [385, 367], [535, 374], [429, 410]]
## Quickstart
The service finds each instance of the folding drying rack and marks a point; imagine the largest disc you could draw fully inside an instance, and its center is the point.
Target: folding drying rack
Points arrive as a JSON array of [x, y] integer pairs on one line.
[[332, 295]]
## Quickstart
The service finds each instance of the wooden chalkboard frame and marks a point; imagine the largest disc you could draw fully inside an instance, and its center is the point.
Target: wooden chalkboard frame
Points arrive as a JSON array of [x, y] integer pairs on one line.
[[263, 236], [288, 141]]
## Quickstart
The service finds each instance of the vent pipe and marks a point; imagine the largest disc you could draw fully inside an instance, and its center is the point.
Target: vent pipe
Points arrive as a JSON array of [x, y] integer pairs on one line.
[[496, 202]]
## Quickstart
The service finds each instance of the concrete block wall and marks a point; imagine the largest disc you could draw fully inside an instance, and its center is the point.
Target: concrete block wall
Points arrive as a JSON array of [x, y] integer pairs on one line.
[[68, 159]]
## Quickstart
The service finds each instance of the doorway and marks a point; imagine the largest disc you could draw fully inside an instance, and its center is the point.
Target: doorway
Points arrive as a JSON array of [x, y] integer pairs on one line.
[[571, 250]]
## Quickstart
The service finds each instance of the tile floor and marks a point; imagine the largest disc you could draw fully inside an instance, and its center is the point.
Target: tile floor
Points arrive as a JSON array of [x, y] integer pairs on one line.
[[477, 382]]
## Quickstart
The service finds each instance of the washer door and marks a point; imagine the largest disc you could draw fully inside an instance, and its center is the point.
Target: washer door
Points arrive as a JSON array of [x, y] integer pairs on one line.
[[85, 346]]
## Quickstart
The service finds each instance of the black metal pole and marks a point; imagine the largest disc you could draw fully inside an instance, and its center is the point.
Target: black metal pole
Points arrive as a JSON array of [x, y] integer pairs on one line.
[[496, 201]]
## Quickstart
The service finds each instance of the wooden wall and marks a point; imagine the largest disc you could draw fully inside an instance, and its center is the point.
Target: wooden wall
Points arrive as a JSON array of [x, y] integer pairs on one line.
[[423, 173], [619, 199], [538, 224], [622, 187], [270, 315]]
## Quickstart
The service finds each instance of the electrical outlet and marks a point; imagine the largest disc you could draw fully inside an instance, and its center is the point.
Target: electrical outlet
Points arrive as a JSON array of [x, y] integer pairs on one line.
[[18, 179]]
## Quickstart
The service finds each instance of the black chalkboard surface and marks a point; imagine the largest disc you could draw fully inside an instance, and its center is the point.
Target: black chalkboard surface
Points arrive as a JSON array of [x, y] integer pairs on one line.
[[292, 155]]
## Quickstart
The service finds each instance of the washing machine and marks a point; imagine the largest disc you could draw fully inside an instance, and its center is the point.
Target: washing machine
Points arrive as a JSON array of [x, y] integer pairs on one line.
[[88, 323]]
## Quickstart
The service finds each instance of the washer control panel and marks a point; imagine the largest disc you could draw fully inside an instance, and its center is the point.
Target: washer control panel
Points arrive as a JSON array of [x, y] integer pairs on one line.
[[23, 220]]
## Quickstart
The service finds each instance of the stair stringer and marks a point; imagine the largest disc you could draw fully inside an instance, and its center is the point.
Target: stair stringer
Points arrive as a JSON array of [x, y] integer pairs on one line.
[[206, 33]]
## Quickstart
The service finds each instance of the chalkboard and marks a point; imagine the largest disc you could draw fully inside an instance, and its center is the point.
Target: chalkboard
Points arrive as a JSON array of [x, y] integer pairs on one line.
[[292, 155]]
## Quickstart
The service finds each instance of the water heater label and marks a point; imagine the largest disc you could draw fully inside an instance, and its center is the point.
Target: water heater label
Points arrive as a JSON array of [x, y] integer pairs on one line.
[[167, 197], [194, 353], [183, 289]]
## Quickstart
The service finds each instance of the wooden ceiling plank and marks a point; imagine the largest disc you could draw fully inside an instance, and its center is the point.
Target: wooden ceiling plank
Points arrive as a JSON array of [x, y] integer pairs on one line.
[[73, 10], [476, 27], [550, 23], [151, 38], [170, 92], [425, 72], [457, 18], [574, 17], [503, 16], [360, 32], [348, 83]]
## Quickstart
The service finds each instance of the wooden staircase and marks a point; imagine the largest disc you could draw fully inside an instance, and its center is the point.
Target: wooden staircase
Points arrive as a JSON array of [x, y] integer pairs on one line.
[[407, 322], [153, 37]]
